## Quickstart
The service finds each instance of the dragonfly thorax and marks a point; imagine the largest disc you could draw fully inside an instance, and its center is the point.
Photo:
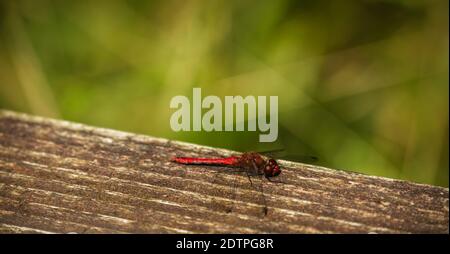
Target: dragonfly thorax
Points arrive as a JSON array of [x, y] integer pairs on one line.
[[254, 161]]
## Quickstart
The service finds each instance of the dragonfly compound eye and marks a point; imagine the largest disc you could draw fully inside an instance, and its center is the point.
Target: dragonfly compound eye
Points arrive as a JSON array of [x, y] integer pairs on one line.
[[276, 170], [271, 169]]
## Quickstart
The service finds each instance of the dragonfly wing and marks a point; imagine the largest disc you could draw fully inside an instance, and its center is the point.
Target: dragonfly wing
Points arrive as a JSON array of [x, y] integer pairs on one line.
[[299, 158], [275, 153], [282, 154]]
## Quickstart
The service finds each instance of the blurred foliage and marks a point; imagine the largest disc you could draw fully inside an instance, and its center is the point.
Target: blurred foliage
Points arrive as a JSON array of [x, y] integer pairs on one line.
[[363, 85]]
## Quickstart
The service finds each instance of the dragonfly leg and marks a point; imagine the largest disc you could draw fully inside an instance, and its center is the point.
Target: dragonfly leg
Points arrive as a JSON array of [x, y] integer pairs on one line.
[[230, 209], [255, 168], [265, 209], [248, 175]]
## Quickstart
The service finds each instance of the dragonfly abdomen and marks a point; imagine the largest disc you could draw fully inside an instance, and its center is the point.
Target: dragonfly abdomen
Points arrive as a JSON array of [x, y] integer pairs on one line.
[[228, 161]]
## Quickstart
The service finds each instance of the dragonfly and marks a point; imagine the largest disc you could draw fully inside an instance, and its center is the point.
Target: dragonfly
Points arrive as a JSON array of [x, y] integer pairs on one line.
[[253, 163]]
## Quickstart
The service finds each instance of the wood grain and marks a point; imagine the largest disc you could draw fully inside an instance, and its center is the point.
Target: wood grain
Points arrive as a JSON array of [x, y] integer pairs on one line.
[[61, 177]]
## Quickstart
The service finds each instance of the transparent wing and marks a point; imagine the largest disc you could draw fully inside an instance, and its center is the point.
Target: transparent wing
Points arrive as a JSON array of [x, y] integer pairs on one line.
[[284, 155]]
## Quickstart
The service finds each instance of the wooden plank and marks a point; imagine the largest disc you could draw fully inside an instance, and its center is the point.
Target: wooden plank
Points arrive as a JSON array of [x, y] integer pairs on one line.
[[61, 177]]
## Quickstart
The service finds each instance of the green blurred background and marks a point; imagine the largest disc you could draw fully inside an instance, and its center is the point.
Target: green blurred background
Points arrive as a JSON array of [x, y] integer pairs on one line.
[[363, 85]]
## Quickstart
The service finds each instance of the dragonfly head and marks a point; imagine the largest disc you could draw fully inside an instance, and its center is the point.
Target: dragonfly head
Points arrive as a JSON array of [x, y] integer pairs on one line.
[[271, 168]]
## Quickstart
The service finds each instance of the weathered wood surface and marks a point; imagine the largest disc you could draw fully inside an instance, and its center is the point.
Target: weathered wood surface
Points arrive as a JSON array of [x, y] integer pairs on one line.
[[57, 176]]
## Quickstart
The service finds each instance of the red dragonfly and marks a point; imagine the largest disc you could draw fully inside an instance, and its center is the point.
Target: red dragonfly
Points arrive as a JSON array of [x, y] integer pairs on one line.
[[252, 162]]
